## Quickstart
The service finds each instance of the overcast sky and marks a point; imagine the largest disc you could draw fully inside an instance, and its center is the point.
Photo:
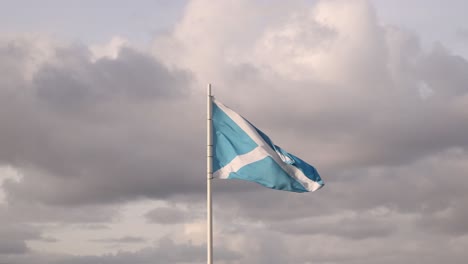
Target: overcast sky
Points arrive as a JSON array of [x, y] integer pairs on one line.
[[102, 135]]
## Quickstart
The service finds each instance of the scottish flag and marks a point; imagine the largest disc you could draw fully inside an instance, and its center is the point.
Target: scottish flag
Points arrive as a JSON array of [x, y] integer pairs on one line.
[[241, 151]]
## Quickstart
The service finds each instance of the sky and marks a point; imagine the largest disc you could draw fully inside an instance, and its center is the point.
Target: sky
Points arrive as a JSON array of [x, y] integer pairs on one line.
[[102, 143]]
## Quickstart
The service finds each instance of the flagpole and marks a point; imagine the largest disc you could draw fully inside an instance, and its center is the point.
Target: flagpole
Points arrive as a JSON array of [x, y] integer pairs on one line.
[[209, 158]]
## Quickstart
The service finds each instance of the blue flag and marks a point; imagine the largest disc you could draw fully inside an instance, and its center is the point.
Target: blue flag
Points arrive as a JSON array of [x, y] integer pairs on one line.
[[241, 151]]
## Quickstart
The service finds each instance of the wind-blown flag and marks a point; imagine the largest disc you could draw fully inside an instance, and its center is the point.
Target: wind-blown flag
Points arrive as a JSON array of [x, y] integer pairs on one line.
[[241, 151]]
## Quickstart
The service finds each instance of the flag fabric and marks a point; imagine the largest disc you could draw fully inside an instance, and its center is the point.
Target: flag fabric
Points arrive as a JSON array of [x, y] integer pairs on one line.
[[241, 151]]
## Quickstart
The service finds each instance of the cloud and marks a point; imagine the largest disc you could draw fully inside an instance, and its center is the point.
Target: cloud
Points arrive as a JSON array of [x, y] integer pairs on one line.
[[14, 237], [79, 128], [355, 227], [166, 252], [359, 82], [445, 72], [168, 215], [113, 116], [49, 239], [462, 34], [125, 239], [29, 211], [79, 83], [382, 118]]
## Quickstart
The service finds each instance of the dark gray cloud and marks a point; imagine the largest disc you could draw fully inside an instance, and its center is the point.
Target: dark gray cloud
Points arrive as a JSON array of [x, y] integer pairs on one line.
[[12, 246], [166, 252], [49, 239], [451, 221], [462, 33], [87, 216], [82, 131], [125, 239], [353, 228], [167, 215], [14, 237], [93, 226], [81, 84], [445, 72]]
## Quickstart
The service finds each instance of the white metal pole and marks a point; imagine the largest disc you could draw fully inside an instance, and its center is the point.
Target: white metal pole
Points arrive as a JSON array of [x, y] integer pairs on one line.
[[209, 158]]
